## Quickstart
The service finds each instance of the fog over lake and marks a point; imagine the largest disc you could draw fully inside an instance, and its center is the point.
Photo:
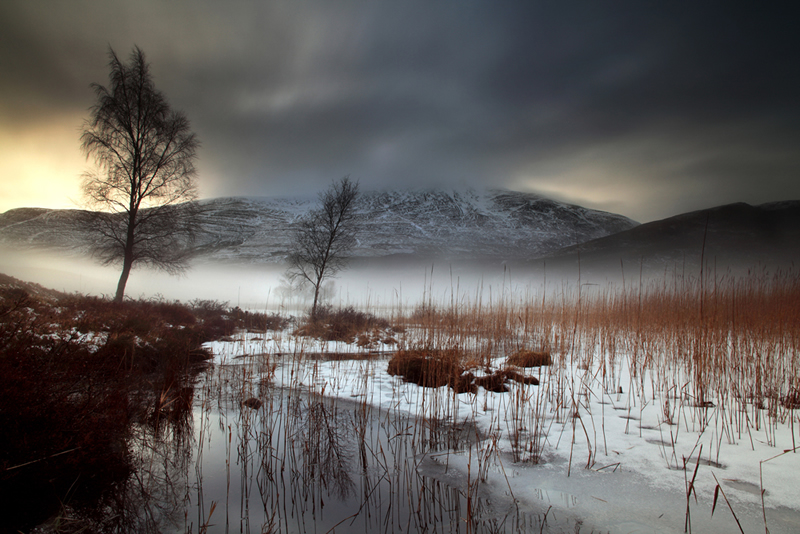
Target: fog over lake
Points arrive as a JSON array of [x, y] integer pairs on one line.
[[382, 282]]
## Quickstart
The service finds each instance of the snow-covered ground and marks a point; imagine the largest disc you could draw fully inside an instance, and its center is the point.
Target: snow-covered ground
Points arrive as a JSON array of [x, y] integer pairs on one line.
[[610, 453]]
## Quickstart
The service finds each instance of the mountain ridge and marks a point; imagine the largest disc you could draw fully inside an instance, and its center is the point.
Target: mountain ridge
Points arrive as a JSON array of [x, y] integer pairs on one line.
[[734, 237], [447, 223]]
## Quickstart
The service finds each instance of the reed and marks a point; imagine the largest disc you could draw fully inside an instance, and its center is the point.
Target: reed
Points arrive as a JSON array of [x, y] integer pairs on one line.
[[718, 357]]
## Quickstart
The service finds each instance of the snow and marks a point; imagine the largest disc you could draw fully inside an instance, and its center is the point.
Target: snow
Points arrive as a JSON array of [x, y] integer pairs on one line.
[[608, 456], [257, 230]]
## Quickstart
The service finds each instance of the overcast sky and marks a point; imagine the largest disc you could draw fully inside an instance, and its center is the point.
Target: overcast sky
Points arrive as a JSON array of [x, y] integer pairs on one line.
[[647, 109]]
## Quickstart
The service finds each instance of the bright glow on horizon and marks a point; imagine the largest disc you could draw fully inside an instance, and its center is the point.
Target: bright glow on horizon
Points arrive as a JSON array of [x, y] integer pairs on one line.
[[41, 166]]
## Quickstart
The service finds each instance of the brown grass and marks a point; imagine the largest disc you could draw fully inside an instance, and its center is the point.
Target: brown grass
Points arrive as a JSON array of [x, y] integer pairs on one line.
[[427, 368], [342, 324], [77, 372], [718, 350], [437, 368], [529, 358], [433, 369]]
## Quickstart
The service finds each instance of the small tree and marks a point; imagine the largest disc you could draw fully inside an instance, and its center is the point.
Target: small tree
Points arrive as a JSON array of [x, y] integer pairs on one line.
[[325, 237], [145, 156]]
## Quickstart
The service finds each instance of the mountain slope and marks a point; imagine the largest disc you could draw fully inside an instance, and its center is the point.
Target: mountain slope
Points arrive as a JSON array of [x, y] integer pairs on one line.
[[734, 236], [435, 223], [44, 228]]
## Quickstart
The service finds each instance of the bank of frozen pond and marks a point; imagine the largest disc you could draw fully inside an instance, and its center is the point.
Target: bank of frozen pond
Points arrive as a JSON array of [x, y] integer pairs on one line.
[[298, 461], [303, 462], [578, 450]]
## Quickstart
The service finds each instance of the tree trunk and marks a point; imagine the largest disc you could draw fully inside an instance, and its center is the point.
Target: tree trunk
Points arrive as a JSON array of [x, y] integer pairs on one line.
[[316, 299], [123, 279], [127, 260]]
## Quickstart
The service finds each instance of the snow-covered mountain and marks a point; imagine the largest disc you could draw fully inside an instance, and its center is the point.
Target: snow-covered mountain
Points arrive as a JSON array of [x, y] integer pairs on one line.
[[434, 223]]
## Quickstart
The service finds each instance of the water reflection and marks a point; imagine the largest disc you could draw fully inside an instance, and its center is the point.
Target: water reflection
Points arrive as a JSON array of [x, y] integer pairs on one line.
[[306, 463], [152, 497], [203, 461]]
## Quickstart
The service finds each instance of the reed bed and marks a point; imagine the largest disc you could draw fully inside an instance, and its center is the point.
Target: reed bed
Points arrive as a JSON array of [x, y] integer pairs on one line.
[[717, 357], [728, 347], [414, 420]]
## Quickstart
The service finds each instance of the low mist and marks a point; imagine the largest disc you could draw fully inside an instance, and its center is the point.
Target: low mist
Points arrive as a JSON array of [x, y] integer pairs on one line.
[[383, 282]]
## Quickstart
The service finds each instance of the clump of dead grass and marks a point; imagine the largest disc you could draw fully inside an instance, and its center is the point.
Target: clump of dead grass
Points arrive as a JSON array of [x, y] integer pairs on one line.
[[446, 367], [529, 358], [431, 368], [340, 324], [498, 380]]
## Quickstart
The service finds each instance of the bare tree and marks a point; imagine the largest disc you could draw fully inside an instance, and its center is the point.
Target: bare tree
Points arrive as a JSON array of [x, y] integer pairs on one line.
[[145, 153], [325, 237]]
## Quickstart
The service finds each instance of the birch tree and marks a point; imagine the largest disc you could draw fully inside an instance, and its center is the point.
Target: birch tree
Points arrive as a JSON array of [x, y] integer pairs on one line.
[[144, 180], [325, 237]]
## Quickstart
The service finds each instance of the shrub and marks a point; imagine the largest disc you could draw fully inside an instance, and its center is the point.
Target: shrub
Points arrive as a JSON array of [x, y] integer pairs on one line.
[[258, 322], [66, 404], [64, 416]]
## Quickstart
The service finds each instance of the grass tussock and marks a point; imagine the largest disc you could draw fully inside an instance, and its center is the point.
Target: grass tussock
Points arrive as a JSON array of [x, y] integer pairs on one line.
[[437, 368], [431, 368], [498, 380], [529, 358]]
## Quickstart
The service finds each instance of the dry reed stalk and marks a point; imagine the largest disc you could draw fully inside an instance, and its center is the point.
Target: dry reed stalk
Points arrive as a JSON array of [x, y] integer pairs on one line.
[[685, 344]]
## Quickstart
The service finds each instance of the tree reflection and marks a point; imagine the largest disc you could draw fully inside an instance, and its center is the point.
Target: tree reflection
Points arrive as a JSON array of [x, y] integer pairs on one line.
[[202, 460]]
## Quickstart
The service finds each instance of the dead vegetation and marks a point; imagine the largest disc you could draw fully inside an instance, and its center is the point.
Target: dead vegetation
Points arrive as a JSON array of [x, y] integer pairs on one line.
[[437, 368], [729, 347], [77, 373], [529, 358], [346, 324], [429, 368]]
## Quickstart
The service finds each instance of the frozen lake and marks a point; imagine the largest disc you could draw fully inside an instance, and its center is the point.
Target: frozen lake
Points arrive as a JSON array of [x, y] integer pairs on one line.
[[616, 468], [612, 439]]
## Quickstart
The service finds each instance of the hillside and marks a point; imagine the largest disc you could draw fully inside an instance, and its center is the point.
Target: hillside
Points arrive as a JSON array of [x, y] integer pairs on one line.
[[454, 224], [733, 237]]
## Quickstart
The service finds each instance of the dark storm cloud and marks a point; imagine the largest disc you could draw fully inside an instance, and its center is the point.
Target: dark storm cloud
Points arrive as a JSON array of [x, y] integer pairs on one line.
[[645, 109]]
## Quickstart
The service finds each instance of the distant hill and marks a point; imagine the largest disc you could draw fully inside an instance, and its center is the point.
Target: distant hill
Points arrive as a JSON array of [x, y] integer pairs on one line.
[[12, 288], [466, 224], [491, 226], [737, 237]]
